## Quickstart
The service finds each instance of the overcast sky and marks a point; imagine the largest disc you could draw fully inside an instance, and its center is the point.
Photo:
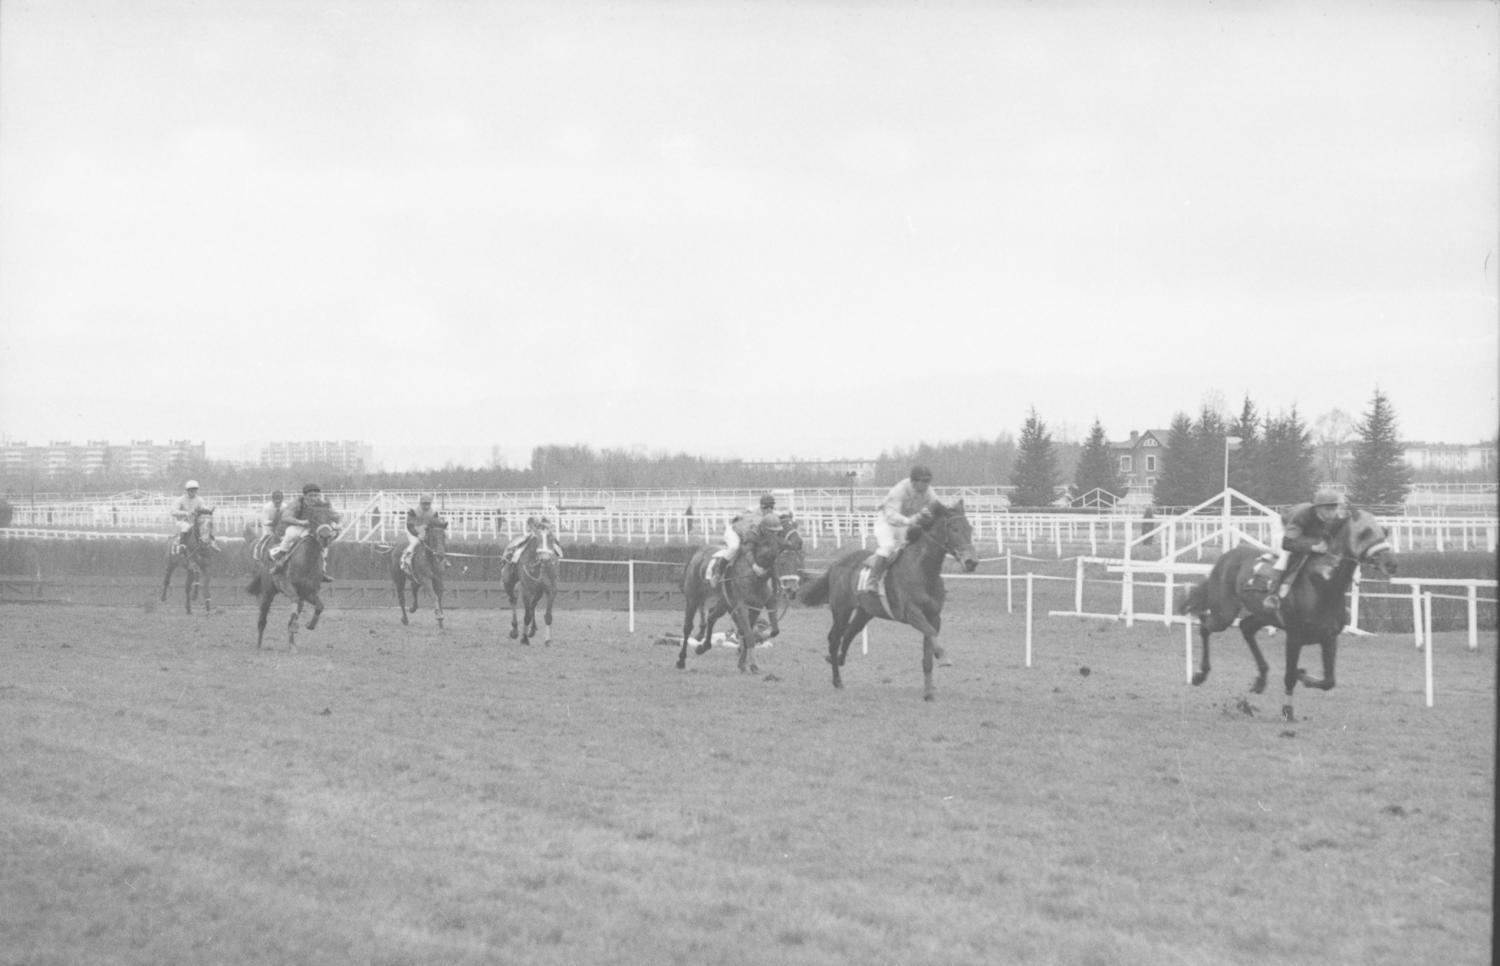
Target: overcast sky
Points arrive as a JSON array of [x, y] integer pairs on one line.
[[740, 229]]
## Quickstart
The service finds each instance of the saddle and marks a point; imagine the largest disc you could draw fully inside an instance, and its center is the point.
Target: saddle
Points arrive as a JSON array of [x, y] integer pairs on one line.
[[878, 592]]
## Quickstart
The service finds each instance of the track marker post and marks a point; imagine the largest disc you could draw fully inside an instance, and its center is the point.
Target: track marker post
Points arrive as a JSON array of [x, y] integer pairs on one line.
[[1029, 583]]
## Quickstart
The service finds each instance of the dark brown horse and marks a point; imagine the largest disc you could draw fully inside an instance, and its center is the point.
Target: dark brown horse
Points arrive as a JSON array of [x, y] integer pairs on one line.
[[300, 579], [743, 592], [1313, 611], [913, 586], [786, 577], [194, 554], [535, 571], [427, 563]]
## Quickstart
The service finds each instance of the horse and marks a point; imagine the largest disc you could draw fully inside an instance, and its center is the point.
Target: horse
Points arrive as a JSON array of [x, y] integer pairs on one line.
[[535, 570], [301, 578], [912, 582], [1312, 612], [193, 553], [742, 592], [427, 563], [786, 574]]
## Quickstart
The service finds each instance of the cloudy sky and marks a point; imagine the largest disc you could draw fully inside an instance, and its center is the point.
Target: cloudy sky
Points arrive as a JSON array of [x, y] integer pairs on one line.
[[739, 229]]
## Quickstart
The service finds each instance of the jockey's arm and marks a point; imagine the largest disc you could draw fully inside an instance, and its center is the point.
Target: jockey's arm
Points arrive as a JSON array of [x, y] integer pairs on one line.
[[1303, 534], [891, 508]]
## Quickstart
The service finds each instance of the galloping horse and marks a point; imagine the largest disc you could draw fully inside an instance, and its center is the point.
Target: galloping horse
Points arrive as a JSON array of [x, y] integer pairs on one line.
[[427, 563], [741, 592], [913, 586], [301, 578], [786, 573], [1311, 613], [194, 554], [535, 569]]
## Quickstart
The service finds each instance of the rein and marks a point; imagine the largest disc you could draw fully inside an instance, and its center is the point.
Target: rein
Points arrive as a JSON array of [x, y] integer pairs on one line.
[[948, 550]]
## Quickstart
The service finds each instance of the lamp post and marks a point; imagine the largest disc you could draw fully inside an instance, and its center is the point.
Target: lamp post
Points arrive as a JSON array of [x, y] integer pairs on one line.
[[851, 475], [1230, 442]]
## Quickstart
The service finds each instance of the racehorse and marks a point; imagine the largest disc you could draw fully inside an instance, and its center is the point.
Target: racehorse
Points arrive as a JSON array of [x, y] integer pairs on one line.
[[535, 570], [913, 586], [1311, 613], [741, 592], [300, 579], [786, 574], [427, 563], [193, 553]]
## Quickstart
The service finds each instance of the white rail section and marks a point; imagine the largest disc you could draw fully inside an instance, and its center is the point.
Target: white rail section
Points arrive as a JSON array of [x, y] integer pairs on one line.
[[829, 520]]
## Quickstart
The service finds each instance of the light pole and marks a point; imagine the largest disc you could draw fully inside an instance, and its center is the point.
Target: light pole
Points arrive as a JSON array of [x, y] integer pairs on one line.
[[851, 475], [1230, 442]]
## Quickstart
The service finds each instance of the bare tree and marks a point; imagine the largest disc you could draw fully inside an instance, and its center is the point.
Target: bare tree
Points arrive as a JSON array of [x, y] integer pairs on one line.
[[1332, 433]]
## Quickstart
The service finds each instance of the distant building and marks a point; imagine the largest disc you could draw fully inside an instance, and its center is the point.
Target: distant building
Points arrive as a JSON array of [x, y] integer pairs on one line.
[[347, 456], [1450, 458], [1140, 458], [138, 459]]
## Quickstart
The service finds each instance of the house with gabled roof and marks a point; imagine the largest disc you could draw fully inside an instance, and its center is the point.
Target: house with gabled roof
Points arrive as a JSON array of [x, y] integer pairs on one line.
[[1141, 458]]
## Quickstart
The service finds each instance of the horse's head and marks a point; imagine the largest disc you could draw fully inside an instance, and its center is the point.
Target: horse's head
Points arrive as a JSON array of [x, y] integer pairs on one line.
[[1368, 544], [949, 528], [326, 533], [547, 545], [436, 538]]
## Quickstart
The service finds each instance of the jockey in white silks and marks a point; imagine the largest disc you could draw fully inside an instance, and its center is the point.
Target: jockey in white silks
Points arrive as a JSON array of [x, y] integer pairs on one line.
[[417, 522], [904, 505], [186, 509]]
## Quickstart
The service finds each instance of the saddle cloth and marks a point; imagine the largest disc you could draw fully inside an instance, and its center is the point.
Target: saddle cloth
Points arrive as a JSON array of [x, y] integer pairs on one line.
[[1262, 577], [878, 594]]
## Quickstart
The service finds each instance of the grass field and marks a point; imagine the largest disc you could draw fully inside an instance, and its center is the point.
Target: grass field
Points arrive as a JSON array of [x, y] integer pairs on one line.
[[391, 795]]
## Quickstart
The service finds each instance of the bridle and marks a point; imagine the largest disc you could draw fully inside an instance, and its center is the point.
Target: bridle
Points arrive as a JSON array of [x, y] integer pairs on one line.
[[944, 543]]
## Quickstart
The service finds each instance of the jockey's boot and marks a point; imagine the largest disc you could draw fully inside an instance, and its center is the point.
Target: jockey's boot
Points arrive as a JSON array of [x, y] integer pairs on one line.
[[877, 571], [277, 559]]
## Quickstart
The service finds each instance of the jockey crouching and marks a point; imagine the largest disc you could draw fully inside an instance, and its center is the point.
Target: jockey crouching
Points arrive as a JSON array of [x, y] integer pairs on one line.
[[1309, 530], [186, 512], [513, 549], [295, 524], [417, 522], [752, 526], [906, 504]]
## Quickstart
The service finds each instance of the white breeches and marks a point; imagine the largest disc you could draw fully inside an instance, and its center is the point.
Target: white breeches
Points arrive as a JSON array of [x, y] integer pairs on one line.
[[887, 537], [288, 538]]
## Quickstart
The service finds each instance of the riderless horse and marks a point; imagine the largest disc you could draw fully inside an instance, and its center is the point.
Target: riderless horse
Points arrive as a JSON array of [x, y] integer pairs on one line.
[[535, 570], [911, 590], [427, 562], [1312, 612], [194, 553], [742, 591], [301, 577]]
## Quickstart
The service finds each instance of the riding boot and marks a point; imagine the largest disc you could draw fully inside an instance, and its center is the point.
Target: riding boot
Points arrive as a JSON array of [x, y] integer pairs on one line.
[[877, 571], [277, 559]]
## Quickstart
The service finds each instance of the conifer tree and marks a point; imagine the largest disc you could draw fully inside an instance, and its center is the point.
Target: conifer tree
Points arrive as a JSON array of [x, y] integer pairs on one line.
[[1178, 482], [1379, 476], [1286, 461], [1243, 461], [1097, 467], [1035, 476]]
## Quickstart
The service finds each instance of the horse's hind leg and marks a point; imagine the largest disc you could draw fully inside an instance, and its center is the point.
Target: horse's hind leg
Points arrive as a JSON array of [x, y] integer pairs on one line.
[[1201, 675], [691, 607], [1249, 627], [1293, 658], [166, 582], [437, 595], [291, 625], [1329, 647], [401, 598], [317, 602], [208, 600], [260, 624]]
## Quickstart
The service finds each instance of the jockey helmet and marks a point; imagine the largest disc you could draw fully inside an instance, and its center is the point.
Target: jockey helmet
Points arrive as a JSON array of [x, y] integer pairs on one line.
[[190, 485], [426, 500], [1327, 496], [311, 488], [767, 502], [277, 495], [920, 472]]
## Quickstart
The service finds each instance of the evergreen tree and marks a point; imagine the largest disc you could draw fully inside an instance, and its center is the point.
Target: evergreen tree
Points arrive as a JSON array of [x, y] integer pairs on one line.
[[1035, 476], [1243, 462], [1379, 476], [1097, 467], [1178, 480], [1208, 448], [1286, 467]]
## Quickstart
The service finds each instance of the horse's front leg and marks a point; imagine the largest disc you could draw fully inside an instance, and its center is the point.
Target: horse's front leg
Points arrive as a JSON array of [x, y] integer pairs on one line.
[[317, 602], [437, 596], [1293, 673], [548, 616], [747, 634], [401, 598], [691, 608], [187, 591], [1201, 675], [1329, 645], [166, 582], [706, 627], [260, 624], [918, 619], [208, 599], [291, 624]]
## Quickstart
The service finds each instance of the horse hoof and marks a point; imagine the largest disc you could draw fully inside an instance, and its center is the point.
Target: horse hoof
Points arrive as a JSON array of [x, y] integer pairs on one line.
[[703, 648], [929, 696], [513, 635], [1259, 687], [1199, 678], [681, 664], [1286, 712], [405, 621]]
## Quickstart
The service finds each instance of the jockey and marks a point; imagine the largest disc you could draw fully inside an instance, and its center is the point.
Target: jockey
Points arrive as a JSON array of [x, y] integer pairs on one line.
[[270, 514], [295, 524], [417, 522], [751, 525], [1309, 528], [185, 513], [906, 504]]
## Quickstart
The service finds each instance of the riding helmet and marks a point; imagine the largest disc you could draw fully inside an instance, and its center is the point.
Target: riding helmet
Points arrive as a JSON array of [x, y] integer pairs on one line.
[[311, 488], [920, 472], [1327, 496], [767, 502], [190, 485], [277, 495]]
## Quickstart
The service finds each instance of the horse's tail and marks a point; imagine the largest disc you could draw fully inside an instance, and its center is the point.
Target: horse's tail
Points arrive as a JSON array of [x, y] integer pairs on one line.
[[254, 588], [816, 593], [1195, 601]]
